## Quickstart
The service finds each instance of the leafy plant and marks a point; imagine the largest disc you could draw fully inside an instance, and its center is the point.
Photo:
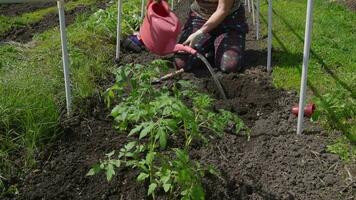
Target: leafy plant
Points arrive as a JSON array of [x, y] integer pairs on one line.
[[153, 116]]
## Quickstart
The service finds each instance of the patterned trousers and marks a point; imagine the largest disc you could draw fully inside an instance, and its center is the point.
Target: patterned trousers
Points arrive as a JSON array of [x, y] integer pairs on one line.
[[223, 46]]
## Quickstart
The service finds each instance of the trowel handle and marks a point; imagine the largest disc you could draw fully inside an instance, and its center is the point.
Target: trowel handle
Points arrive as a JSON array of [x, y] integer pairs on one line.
[[185, 48], [168, 76]]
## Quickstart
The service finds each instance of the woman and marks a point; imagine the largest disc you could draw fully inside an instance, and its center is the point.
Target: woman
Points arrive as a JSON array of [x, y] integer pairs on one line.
[[217, 29]]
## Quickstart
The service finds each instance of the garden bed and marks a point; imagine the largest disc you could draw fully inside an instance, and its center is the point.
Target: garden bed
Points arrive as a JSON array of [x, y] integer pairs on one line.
[[26, 32], [18, 9], [274, 164]]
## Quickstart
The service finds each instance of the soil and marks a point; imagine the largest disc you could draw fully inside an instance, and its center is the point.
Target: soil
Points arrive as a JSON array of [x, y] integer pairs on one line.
[[274, 164], [25, 33], [351, 4], [18, 9]]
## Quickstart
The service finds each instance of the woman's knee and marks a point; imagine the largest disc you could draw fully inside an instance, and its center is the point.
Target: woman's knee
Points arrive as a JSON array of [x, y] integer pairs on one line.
[[231, 61]]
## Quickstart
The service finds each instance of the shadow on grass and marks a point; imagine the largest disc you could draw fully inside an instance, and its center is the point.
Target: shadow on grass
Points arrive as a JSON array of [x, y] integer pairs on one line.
[[286, 58], [326, 67]]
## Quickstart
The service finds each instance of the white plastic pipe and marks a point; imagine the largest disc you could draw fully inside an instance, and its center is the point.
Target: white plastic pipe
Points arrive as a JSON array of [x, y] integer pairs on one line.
[[303, 86], [24, 1], [258, 20], [65, 58], [269, 40], [142, 9], [118, 31], [253, 12]]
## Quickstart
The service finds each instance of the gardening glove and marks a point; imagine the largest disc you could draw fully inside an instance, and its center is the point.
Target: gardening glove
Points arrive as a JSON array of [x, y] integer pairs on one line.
[[194, 38]]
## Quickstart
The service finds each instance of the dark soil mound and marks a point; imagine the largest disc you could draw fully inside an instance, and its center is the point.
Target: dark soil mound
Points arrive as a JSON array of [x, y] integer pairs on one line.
[[18, 9], [87, 137], [25, 33], [274, 164], [351, 4]]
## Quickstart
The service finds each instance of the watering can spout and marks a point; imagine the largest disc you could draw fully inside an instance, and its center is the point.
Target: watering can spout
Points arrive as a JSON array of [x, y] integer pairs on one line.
[[185, 48]]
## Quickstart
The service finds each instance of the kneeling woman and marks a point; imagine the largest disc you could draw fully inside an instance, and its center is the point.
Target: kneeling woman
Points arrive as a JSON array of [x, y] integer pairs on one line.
[[216, 29]]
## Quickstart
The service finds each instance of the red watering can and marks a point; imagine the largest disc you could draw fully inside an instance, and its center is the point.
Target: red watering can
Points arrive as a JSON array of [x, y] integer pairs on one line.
[[160, 30], [159, 33]]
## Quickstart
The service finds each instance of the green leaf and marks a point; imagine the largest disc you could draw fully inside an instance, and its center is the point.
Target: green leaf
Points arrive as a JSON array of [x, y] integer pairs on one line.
[[135, 130], [166, 187], [151, 188], [94, 170], [146, 130], [142, 176], [165, 179], [149, 157], [162, 138], [198, 193], [213, 171], [110, 172], [130, 145], [116, 163], [110, 154]]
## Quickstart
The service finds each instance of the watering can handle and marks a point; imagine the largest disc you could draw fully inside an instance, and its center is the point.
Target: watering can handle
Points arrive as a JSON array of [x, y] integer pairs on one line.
[[152, 1]]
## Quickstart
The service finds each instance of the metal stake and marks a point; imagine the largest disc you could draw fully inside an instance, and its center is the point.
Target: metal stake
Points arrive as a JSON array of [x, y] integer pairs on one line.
[[258, 20], [253, 12], [65, 58], [118, 31], [303, 87], [269, 42], [142, 9]]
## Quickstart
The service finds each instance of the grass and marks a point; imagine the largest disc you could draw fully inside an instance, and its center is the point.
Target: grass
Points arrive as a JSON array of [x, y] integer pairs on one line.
[[332, 77], [8, 23], [32, 87]]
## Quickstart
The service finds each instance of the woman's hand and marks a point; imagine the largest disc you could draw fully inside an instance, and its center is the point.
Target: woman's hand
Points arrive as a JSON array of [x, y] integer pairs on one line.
[[194, 38]]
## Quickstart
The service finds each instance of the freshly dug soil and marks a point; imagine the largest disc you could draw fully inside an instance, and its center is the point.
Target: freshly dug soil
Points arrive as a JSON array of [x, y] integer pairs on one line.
[[18, 9], [274, 164], [26, 33], [351, 4]]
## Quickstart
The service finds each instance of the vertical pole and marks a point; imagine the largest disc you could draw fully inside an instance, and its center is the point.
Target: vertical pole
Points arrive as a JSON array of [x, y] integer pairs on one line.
[[269, 42], [142, 9], [245, 2], [172, 5], [65, 58], [253, 12], [303, 87], [118, 31], [248, 6], [258, 20]]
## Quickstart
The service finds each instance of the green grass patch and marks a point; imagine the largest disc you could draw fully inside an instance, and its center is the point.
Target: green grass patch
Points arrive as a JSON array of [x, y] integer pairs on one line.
[[332, 77], [8, 23], [32, 86]]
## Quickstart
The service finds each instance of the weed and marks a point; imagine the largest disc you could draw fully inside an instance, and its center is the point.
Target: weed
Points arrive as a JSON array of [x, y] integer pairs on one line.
[[344, 149]]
